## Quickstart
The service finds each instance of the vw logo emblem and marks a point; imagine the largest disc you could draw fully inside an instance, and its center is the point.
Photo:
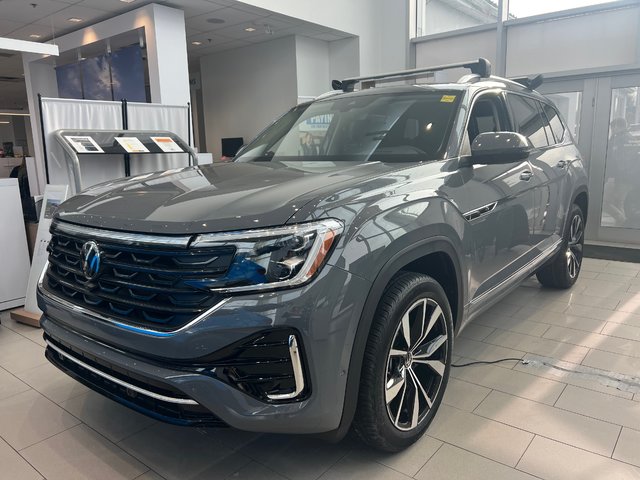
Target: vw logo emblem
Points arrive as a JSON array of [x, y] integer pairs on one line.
[[90, 256]]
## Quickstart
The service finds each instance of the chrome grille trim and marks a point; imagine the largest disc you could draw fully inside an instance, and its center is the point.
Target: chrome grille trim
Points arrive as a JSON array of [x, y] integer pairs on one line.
[[121, 237], [142, 391]]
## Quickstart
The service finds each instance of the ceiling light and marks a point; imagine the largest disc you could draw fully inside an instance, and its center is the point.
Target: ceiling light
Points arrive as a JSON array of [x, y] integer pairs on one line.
[[34, 35], [74, 20], [6, 114], [215, 20], [4, 122], [249, 29], [127, 1], [196, 43]]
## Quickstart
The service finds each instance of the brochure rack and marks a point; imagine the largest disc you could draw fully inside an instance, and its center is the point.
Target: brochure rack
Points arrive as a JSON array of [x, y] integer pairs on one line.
[[78, 143]]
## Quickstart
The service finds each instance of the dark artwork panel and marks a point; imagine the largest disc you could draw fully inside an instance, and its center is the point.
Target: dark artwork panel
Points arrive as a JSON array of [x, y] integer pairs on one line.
[[127, 71], [69, 81], [96, 78]]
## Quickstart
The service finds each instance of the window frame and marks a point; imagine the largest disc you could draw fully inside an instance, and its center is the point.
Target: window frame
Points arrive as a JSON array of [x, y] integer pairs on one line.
[[537, 101], [465, 142], [564, 127]]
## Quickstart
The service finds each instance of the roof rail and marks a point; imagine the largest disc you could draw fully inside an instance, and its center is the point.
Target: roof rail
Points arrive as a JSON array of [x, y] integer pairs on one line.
[[482, 67], [530, 83]]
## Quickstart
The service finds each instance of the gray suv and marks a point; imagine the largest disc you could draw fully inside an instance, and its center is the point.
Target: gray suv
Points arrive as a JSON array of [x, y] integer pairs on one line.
[[316, 283]]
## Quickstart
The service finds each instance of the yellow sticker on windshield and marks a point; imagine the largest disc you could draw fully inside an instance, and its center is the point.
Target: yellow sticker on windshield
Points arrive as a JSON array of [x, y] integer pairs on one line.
[[448, 98]]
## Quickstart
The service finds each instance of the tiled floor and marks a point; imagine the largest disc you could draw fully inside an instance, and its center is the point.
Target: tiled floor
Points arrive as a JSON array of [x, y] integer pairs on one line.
[[505, 421]]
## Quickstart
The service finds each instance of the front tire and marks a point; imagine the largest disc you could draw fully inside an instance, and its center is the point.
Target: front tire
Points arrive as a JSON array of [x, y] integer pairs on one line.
[[406, 363], [563, 270]]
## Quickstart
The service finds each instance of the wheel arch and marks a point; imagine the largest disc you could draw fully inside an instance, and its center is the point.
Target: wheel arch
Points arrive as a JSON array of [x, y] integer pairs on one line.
[[434, 256]]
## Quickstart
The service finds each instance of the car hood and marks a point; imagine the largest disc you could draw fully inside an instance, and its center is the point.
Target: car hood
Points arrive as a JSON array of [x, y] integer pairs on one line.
[[213, 198]]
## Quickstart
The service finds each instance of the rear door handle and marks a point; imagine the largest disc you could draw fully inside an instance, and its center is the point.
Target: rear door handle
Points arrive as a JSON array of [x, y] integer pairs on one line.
[[526, 175]]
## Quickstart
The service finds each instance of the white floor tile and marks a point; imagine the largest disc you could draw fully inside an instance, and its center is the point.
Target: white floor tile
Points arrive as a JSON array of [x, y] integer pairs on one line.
[[28, 418], [52, 382], [13, 466], [628, 447], [557, 461], [454, 463], [567, 427], [80, 453]]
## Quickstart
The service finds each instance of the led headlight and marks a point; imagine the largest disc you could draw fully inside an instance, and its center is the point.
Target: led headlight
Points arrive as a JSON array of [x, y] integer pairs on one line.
[[272, 257]]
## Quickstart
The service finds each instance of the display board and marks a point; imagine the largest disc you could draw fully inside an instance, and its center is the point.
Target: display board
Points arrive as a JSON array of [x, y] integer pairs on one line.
[[54, 195], [97, 167], [14, 254], [81, 144]]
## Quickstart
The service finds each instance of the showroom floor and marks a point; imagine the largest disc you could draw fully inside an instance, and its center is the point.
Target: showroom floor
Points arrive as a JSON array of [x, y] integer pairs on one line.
[[571, 412]]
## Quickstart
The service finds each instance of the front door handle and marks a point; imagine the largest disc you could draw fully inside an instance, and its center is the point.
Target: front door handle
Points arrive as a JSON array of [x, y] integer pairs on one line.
[[562, 164], [526, 175]]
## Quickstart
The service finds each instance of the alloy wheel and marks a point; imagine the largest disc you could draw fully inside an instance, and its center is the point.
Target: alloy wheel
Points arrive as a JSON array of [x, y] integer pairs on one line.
[[416, 364], [575, 246]]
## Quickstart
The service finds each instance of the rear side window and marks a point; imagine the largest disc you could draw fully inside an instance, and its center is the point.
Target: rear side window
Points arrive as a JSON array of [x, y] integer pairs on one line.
[[528, 120], [554, 121]]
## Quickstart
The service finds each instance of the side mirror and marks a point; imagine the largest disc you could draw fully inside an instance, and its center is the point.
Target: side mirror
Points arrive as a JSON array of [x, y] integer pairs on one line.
[[500, 147]]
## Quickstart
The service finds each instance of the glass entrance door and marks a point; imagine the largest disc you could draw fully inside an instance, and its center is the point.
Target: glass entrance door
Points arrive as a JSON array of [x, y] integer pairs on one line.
[[616, 150]]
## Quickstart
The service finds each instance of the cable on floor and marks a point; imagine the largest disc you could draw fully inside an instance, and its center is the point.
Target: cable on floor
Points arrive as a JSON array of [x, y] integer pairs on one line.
[[459, 365]]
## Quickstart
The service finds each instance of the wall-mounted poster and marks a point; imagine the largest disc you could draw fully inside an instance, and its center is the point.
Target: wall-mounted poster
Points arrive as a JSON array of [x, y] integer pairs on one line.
[[69, 81], [167, 144], [84, 144], [96, 78], [132, 145], [127, 73]]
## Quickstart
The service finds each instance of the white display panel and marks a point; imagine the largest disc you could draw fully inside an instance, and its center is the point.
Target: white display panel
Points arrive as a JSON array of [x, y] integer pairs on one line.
[[14, 253], [54, 195]]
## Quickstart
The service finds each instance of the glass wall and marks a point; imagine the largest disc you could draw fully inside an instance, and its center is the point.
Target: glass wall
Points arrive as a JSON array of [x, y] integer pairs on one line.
[[527, 8], [621, 198]]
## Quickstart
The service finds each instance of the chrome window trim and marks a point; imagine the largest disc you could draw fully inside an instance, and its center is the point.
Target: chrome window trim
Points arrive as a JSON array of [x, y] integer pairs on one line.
[[121, 237], [298, 375], [142, 391], [126, 326]]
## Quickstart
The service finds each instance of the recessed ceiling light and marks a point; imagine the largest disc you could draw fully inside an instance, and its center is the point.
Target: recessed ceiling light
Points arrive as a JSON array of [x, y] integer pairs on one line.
[[4, 123], [249, 29], [196, 43], [34, 35], [74, 20], [215, 20], [127, 1]]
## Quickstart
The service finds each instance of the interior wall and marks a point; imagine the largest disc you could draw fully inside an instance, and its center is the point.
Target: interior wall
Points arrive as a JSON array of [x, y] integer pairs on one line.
[[602, 39], [245, 89], [312, 66], [459, 48], [344, 58], [382, 25]]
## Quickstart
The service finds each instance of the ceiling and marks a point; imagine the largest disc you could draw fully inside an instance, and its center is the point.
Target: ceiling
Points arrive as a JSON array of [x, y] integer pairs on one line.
[[215, 25]]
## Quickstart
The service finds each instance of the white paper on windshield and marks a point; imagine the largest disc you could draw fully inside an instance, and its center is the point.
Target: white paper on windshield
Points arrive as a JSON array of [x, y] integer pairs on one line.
[[84, 144], [132, 145], [167, 144]]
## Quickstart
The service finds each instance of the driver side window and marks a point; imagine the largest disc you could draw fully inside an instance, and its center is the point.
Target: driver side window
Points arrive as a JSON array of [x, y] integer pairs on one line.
[[488, 115]]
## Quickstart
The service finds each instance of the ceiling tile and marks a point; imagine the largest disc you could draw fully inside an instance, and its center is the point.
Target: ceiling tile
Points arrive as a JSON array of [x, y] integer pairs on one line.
[[7, 26], [107, 5], [193, 8], [22, 11], [23, 32], [231, 16], [61, 23]]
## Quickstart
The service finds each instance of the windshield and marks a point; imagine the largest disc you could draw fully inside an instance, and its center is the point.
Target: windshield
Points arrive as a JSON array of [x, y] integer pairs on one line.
[[374, 127]]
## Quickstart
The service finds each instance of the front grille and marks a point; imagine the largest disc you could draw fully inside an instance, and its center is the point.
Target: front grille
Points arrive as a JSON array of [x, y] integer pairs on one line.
[[154, 286]]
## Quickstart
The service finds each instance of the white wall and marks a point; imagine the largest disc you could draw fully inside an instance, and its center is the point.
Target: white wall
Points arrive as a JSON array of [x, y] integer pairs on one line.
[[459, 48], [601, 39], [245, 89], [344, 58], [312, 66], [381, 25]]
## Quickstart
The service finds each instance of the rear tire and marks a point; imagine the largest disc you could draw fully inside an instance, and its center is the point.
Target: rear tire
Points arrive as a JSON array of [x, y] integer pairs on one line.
[[406, 363], [563, 270]]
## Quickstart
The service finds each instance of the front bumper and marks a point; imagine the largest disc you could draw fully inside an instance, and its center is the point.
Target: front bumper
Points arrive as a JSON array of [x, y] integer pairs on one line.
[[323, 315]]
